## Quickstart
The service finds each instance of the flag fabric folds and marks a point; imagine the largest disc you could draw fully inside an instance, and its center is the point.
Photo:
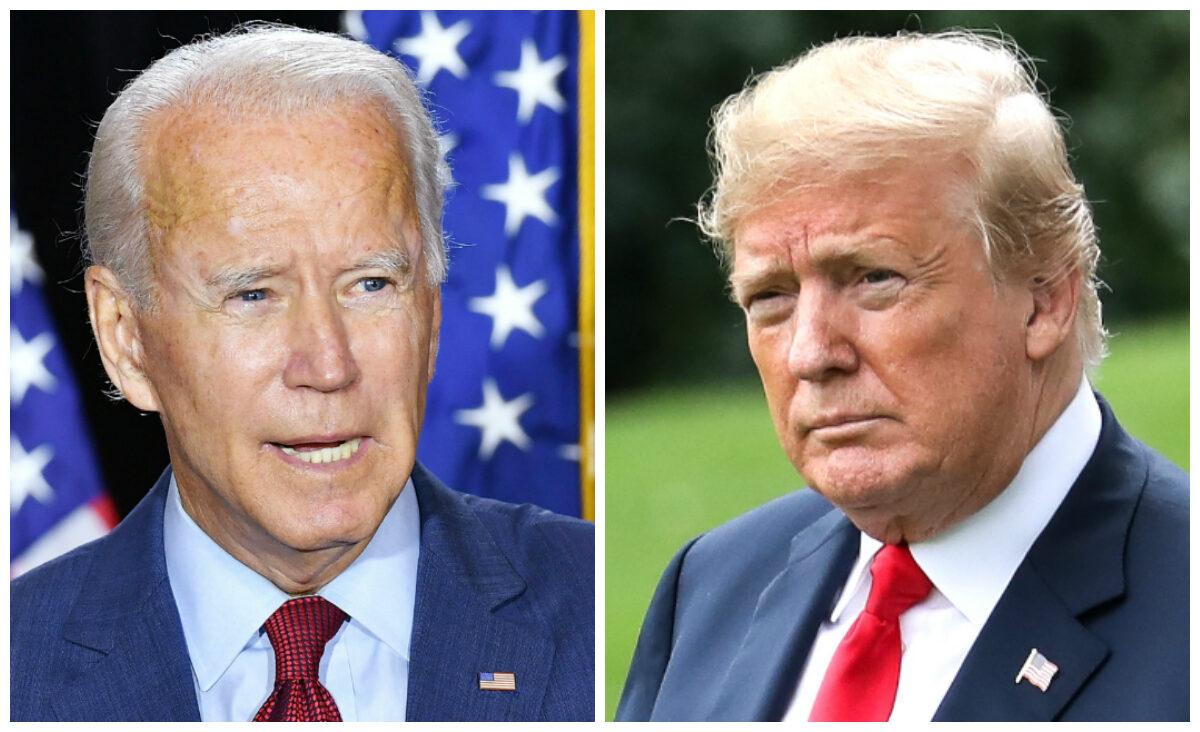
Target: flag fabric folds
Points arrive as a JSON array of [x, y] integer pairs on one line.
[[57, 501], [503, 414]]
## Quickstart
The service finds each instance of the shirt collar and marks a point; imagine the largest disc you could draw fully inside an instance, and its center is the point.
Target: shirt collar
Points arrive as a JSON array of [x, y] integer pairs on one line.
[[858, 574], [972, 562], [377, 590]]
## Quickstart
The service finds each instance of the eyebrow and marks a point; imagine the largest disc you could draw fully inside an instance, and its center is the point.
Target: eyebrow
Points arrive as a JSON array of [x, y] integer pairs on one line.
[[235, 278], [745, 279], [740, 283], [832, 252], [396, 261]]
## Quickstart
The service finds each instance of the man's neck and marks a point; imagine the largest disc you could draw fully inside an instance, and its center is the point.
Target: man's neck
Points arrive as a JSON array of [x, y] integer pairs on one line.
[[294, 571]]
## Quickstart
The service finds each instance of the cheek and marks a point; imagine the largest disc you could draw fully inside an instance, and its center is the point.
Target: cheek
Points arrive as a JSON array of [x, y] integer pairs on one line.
[[916, 350], [393, 351], [945, 368], [769, 350], [214, 371]]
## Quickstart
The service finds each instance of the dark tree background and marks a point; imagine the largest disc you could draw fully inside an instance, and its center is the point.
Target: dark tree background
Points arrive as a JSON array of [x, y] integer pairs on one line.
[[1121, 77], [65, 69]]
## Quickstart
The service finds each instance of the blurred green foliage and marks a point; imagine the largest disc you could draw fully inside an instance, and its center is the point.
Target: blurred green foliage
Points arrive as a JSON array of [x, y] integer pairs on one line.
[[681, 460], [1120, 77]]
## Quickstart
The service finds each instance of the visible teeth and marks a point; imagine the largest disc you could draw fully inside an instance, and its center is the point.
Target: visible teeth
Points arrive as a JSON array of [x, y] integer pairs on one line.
[[326, 454]]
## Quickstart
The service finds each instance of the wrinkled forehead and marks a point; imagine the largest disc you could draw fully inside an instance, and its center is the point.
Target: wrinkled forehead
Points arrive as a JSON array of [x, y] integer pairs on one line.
[[921, 189], [209, 166], [894, 202]]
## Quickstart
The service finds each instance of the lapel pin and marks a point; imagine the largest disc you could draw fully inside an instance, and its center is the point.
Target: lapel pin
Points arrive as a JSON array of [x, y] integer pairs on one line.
[[1037, 670], [497, 681]]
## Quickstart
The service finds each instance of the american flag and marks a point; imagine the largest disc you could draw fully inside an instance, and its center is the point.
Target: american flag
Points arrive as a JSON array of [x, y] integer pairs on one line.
[[503, 417], [1037, 670], [497, 681], [57, 502]]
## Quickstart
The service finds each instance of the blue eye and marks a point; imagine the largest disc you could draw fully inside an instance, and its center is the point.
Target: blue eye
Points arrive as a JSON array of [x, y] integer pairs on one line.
[[373, 284], [252, 295]]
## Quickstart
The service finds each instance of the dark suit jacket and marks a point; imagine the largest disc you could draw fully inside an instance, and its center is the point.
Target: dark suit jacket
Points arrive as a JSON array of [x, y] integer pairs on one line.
[[500, 587], [1103, 593]]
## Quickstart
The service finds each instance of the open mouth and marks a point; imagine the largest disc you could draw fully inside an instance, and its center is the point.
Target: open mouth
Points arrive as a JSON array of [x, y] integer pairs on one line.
[[317, 453]]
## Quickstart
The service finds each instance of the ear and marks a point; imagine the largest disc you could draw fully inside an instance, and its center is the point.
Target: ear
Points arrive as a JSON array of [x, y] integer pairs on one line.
[[435, 332], [1052, 318], [115, 326]]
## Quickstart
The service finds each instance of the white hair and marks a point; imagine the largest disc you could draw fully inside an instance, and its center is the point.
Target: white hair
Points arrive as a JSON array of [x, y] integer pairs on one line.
[[263, 68], [862, 103]]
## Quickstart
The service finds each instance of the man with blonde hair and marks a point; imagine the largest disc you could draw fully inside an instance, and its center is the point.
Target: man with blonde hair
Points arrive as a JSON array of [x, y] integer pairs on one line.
[[982, 540], [264, 221]]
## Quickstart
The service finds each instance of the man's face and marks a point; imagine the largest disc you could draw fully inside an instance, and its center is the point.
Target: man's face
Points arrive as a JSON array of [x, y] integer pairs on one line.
[[295, 332], [894, 367]]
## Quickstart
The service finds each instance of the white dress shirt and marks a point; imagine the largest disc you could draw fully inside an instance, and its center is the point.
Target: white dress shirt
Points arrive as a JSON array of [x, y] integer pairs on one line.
[[223, 604], [970, 565]]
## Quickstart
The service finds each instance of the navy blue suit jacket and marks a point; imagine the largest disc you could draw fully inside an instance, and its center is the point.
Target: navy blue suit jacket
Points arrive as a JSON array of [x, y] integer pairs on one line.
[[500, 587], [1103, 593]]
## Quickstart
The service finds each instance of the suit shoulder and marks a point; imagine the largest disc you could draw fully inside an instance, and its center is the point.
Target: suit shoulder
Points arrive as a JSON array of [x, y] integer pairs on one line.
[[1167, 486], [1160, 529], [520, 524], [43, 592], [767, 529], [40, 604], [554, 553]]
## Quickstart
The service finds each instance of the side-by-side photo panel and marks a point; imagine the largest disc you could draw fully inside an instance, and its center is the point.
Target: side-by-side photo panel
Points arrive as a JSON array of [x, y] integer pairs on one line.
[[896, 421], [302, 364]]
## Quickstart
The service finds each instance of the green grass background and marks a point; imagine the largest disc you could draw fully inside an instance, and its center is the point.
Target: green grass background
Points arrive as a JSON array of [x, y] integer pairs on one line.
[[682, 460]]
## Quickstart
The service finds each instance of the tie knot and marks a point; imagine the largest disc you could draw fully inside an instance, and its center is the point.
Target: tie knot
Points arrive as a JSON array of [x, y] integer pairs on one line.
[[299, 630], [897, 583]]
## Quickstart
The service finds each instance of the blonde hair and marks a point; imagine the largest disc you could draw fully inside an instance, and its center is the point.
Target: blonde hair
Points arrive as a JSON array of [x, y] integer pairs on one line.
[[860, 104], [265, 68]]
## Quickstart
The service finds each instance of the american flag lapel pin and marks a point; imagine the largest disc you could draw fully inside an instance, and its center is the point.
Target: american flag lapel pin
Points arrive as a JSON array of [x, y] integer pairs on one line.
[[1037, 670], [497, 681]]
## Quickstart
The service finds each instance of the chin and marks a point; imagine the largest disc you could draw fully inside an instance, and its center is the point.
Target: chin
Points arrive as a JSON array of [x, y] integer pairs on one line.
[[857, 478], [331, 526]]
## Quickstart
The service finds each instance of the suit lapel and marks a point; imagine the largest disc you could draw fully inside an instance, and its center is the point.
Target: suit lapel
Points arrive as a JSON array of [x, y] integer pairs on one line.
[[1028, 616], [763, 675], [135, 664], [472, 616], [1076, 564]]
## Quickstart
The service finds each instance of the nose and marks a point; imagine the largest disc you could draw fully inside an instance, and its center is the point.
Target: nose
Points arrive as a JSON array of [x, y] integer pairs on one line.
[[320, 356], [822, 345]]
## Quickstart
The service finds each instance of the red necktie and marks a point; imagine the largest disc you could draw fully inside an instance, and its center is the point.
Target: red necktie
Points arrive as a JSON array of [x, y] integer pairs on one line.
[[298, 631], [860, 683]]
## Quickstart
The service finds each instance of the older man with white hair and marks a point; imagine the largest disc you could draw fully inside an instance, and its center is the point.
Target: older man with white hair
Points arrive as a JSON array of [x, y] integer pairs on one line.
[[263, 213], [982, 540]]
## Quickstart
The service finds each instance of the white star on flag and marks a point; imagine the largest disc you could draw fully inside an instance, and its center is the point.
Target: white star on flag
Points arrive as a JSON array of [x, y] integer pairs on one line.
[[523, 195], [22, 264], [446, 143], [26, 367], [497, 420], [510, 307], [26, 477], [535, 81], [352, 23], [436, 48]]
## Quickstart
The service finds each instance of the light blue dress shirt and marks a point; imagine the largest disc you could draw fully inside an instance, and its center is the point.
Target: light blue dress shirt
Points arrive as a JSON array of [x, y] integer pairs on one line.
[[223, 604]]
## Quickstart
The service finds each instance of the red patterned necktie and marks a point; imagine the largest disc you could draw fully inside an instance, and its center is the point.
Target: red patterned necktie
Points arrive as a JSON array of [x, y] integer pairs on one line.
[[860, 683], [298, 631]]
